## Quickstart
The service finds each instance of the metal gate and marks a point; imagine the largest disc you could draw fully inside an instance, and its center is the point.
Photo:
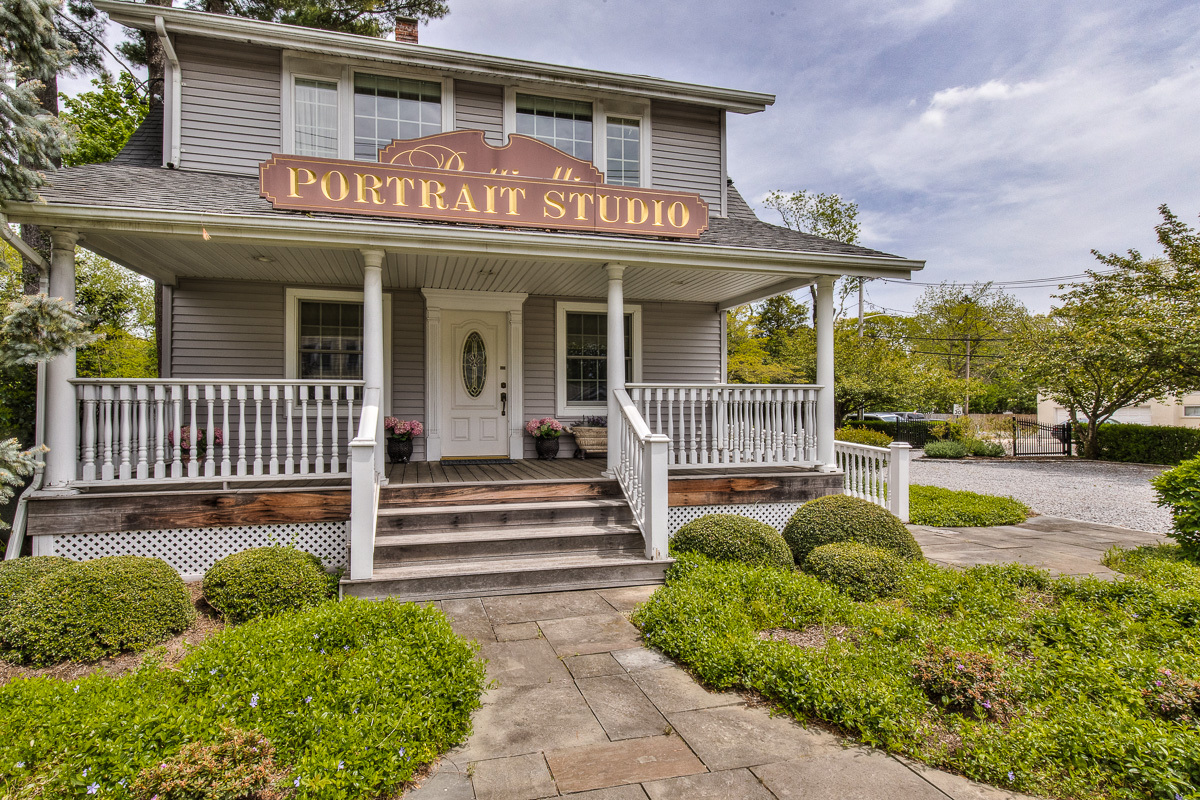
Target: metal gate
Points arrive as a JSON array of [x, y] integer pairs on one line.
[[1035, 439]]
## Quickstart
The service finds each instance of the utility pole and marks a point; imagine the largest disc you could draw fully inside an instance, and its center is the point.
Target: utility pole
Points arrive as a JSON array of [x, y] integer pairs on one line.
[[967, 406], [861, 409]]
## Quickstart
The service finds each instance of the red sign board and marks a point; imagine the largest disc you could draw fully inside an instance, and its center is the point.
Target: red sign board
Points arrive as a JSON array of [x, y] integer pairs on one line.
[[459, 177]]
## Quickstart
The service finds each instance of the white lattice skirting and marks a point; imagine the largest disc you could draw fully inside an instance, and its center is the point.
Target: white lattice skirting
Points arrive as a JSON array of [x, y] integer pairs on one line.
[[774, 514], [193, 550]]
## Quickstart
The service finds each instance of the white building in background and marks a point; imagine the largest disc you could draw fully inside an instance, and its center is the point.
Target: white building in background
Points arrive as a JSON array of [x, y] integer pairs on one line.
[[1184, 411]]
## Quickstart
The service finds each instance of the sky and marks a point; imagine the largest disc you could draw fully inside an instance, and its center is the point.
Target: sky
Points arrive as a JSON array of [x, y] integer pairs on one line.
[[996, 141]]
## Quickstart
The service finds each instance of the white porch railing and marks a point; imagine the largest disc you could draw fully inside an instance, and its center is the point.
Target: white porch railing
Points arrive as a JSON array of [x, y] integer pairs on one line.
[[642, 473], [169, 430], [364, 489], [725, 424], [876, 474]]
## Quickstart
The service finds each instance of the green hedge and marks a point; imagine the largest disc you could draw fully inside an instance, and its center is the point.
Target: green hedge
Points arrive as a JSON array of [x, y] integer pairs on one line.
[[354, 697], [730, 537], [842, 518], [1179, 490], [862, 436], [861, 571], [88, 610], [265, 581], [946, 449], [21, 573], [1148, 444], [945, 508]]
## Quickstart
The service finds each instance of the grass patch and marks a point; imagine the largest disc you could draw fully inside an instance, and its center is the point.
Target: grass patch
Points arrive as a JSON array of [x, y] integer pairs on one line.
[[945, 508], [1056, 695], [353, 697]]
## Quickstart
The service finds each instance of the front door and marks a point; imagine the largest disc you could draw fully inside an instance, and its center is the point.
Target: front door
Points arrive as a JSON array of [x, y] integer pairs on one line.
[[475, 383]]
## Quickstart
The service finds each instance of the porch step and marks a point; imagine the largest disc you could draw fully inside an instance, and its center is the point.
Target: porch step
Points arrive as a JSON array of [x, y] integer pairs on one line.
[[487, 493], [507, 542], [413, 519], [440, 580]]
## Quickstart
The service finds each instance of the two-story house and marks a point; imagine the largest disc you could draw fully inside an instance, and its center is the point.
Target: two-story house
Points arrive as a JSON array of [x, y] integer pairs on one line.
[[345, 229]]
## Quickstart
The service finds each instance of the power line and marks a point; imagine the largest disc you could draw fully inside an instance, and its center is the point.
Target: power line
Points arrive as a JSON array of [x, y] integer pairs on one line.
[[140, 84], [1015, 284]]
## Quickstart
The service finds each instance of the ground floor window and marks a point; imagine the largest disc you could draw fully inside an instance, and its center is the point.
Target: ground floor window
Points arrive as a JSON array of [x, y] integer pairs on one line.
[[1191, 411], [331, 340], [582, 368]]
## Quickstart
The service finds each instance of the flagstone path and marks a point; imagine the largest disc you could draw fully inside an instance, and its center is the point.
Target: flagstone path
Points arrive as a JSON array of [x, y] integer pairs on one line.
[[583, 710]]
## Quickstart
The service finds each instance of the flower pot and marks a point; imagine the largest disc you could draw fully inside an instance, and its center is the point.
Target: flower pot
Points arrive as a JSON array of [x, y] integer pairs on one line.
[[399, 450], [547, 448]]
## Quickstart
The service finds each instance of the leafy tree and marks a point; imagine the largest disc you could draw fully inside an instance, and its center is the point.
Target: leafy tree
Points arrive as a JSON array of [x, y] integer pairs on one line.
[[1123, 337], [779, 321], [18, 384], [748, 359], [102, 120], [119, 305]]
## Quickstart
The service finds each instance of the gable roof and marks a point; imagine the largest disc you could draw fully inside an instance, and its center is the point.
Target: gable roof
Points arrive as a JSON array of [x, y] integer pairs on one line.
[[144, 148]]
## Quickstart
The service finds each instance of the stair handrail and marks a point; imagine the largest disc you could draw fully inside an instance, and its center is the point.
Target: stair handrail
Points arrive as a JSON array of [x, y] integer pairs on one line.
[[642, 474], [364, 489]]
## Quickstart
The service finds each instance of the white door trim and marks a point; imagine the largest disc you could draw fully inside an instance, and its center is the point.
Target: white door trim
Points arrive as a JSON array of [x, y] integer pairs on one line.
[[437, 301]]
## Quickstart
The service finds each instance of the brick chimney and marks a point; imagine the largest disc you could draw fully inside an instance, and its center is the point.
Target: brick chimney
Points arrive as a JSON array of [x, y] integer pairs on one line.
[[406, 30]]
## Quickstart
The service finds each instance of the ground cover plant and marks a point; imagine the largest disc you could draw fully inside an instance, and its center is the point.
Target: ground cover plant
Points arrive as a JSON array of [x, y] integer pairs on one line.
[[945, 449], [733, 537], [946, 508], [353, 697], [1055, 687]]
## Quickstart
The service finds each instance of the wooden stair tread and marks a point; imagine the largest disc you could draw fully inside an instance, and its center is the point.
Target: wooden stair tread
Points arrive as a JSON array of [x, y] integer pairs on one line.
[[552, 505], [511, 533], [492, 566]]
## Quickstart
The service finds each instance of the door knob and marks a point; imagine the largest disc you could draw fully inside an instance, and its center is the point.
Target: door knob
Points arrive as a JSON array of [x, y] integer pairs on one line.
[[504, 404]]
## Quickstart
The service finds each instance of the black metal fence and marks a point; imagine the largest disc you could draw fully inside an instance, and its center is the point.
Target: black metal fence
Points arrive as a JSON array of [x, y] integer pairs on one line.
[[1035, 439]]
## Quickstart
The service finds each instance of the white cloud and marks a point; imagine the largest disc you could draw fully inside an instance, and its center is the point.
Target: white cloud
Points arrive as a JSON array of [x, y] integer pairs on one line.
[[959, 96], [916, 14]]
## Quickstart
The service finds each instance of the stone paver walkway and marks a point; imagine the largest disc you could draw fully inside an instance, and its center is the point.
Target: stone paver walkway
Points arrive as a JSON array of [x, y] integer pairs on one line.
[[583, 710], [1062, 546]]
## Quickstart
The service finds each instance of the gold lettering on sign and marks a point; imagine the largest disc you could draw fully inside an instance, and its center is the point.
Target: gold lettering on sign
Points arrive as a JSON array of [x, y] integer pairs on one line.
[[429, 193], [465, 200], [678, 215], [558, 205], [512, 199], [581, 199], [490, 207], [294, 179], [658, 213], [400, 200], [342, 182], [638, 208], [365, 182], [602, 203]]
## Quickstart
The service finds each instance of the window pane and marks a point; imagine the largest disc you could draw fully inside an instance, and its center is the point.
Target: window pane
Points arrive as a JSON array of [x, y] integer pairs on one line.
[[587, 365], [387, 108], [624, 152], [316, 118], [565, 124], [331, 339]]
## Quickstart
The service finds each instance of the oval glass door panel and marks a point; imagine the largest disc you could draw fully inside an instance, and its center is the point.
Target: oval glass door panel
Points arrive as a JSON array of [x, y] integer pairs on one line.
[[474, 364]]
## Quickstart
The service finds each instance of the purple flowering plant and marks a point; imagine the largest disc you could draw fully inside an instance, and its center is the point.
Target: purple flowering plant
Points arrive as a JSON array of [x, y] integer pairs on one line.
[[402, 429], [544, 428]]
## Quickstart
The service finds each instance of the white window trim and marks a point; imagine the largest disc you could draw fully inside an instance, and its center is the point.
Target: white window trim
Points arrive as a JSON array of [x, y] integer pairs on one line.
[[601, 108], [562, 409], [291, 360], [1196, 409], [299, 66]]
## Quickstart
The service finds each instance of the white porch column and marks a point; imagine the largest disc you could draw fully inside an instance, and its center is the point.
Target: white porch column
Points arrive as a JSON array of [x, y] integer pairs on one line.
[[62, 425], [825, 406], [616, 358], [373, 333]]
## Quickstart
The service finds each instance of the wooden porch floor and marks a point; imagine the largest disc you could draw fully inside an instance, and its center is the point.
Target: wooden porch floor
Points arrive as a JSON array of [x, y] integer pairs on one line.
[[560, 469]]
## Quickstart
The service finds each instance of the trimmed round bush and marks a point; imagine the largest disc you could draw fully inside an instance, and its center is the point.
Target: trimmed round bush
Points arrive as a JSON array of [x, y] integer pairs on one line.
[[978, 447], [945, 449], [730, 537], [21, 573], [265, 581], [842, 518], [88, 610], [862, 436], [860, 570]]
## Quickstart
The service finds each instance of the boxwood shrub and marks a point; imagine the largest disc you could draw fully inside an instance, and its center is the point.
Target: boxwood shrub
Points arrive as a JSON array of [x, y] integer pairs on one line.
[[842, 518], [978, 447], [1179, 490], [862, 436], [860, 570], [88, 610], [945, 508], [731, 537], [353, 696], [19, 574], [945, 449], [1148, 444], [266, 580]]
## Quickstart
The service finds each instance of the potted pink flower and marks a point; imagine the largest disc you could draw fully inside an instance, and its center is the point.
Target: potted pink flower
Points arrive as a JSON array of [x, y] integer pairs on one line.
[[400, 433], [545, 433]]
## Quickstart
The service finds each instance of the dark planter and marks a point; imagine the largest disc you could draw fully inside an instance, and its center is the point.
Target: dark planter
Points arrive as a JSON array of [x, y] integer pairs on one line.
[[399, 450], [546, 448]]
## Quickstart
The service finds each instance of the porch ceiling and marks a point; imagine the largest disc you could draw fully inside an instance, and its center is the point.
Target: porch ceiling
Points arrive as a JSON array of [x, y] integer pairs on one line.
[[168, 259]]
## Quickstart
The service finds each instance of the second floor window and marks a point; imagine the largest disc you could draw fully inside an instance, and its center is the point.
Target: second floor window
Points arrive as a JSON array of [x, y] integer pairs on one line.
[[316, 118], [565, 124], [387, 108], [624, 152]]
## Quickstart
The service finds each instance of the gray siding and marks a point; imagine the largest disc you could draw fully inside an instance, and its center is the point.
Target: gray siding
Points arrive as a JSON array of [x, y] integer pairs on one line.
[[681, 342], [408, 361], [480, 106], [686, 150], [227, 329], [231, 105]]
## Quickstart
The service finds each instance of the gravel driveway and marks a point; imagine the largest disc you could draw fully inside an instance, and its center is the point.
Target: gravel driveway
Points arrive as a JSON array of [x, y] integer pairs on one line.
[[1094, 491]]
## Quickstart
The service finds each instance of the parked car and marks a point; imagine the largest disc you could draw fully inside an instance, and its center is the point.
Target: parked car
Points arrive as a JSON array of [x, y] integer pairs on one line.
[[884, 416]]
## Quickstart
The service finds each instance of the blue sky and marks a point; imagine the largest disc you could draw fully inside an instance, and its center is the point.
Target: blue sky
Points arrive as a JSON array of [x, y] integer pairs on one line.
[[997, 141]]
